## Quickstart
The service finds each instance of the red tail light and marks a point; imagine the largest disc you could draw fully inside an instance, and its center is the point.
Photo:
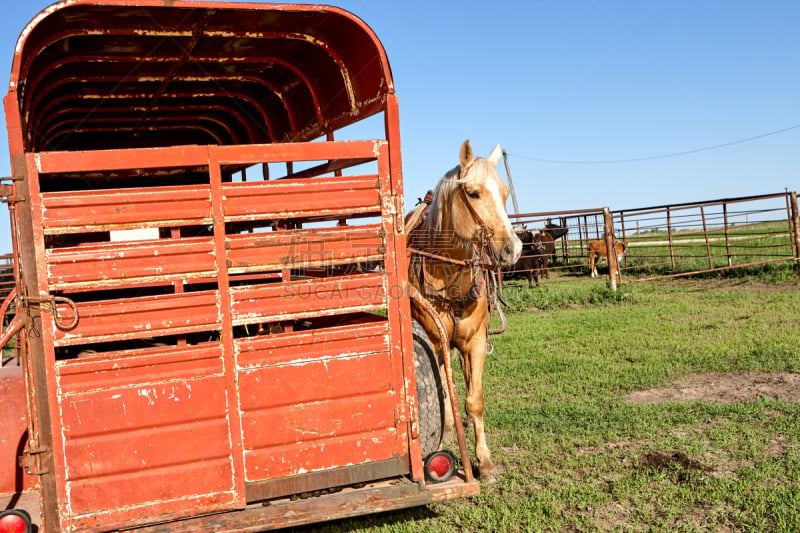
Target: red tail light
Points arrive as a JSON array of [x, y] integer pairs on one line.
[[15, 521], [439, 467]]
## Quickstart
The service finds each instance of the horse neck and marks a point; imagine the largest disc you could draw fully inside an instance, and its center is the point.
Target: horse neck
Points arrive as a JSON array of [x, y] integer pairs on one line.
[[444, 241], [450, 279]]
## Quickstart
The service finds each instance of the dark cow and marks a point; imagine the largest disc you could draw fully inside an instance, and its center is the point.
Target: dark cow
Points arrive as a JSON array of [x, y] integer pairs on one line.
[[555, 231], [538, 249], [552, 232], [533, 262]]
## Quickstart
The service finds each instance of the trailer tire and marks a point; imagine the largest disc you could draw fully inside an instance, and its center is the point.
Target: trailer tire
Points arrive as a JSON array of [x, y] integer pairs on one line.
[[430, 391]]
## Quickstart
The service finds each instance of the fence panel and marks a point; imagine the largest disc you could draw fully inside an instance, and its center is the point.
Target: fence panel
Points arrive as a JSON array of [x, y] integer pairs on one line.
[[671, 240]]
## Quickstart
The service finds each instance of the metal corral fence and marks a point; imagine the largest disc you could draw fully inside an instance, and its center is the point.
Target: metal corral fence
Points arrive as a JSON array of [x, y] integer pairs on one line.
[[670, 240], [6, 274], [6, 311]]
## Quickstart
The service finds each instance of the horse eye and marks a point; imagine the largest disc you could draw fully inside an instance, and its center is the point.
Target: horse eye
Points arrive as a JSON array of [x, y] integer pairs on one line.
[[474, 195]]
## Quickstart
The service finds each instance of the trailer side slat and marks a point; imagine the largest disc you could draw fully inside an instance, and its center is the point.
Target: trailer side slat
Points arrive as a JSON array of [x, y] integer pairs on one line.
[[139, 318], [349, 413], [336, 377], [326, 454], [272, 350], [119, 265], [110, 209], [304, 248], [140, 367], [306, 299], [287, 199]]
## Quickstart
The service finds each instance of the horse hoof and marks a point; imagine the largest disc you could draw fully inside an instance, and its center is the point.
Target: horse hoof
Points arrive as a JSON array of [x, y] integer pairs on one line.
[[490, 475], [447, 436]]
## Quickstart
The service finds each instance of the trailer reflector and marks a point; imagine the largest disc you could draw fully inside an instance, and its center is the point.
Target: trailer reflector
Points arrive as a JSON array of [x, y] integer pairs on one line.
[[15, 521], [439, 467]]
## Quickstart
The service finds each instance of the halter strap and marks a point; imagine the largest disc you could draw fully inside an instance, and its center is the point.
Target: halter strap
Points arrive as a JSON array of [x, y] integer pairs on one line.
[[486, 232]]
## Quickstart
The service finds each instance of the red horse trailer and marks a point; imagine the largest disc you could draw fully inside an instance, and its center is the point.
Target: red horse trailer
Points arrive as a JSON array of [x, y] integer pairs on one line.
[[211, 318]]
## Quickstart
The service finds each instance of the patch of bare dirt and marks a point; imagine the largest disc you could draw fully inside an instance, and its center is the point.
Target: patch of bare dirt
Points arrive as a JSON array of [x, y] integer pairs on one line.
[[613, 516], [663, 460], [777, 446], [723, 466], [725, 388]]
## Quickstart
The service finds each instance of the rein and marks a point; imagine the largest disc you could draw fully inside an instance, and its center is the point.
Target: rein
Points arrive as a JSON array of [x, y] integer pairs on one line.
[[460, 262]]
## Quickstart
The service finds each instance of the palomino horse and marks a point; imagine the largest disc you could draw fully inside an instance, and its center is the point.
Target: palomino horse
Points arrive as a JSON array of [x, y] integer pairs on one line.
[[454, 241]]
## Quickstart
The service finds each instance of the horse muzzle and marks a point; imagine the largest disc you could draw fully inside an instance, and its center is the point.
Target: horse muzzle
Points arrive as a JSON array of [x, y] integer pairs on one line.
[[510, 252]]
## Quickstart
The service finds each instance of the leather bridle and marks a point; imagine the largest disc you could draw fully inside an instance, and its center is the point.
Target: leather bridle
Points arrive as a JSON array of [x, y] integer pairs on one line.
[[482, 266]]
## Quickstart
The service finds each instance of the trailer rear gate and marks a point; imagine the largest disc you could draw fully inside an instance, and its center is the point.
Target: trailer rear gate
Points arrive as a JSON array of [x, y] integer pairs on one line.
[[156, 244]]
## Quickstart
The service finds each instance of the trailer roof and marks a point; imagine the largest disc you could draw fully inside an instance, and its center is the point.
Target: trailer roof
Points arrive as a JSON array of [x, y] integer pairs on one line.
[[98, 74]]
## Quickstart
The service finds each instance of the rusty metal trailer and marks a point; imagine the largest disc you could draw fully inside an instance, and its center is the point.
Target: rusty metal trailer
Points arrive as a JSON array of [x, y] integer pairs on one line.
[[210, 289]]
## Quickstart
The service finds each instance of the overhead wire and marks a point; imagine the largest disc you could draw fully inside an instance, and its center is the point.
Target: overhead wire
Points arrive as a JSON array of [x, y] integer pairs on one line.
[[661, 156]]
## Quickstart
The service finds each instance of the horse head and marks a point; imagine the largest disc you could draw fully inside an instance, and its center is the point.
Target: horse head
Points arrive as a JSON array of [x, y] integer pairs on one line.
[[478, 206]]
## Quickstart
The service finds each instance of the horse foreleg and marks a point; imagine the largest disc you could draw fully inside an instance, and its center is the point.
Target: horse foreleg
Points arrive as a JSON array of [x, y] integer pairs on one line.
[[472, 362]]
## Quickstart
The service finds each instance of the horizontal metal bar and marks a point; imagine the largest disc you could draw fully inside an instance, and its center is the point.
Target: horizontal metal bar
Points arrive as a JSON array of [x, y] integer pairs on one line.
[[313, 151], [706, 203], [337, 477], [104, 160]]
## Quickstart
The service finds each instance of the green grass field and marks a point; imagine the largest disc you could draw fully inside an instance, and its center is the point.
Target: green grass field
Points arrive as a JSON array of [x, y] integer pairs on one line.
[[582, 451]]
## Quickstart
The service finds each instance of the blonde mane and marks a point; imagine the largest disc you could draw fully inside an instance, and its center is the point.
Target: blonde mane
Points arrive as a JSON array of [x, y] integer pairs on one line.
[[441, 204]]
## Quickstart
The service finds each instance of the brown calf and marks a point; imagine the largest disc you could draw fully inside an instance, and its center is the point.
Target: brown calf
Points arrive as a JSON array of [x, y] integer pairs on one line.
[[597, 249]]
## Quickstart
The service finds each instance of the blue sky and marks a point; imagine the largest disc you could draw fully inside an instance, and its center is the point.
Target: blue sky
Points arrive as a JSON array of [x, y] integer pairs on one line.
[[586, 82]]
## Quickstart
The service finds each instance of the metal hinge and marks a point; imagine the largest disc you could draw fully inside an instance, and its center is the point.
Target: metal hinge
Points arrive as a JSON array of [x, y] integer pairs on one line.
[[7, 191], [29, 461]]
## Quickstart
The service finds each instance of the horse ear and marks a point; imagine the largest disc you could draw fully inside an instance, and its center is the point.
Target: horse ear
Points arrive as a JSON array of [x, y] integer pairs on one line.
[[495, 156], [465, 155]]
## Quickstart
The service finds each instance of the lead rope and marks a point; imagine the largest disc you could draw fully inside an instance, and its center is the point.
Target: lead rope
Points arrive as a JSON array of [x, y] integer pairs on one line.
[[492, 284], [486, 256]]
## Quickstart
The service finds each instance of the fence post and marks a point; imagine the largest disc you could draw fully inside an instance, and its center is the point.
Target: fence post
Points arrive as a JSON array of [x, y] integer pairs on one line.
[[796, 227], [708, 243], [624, 239], [608, 234], [585, 232], [727, 237], [669, 236]]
